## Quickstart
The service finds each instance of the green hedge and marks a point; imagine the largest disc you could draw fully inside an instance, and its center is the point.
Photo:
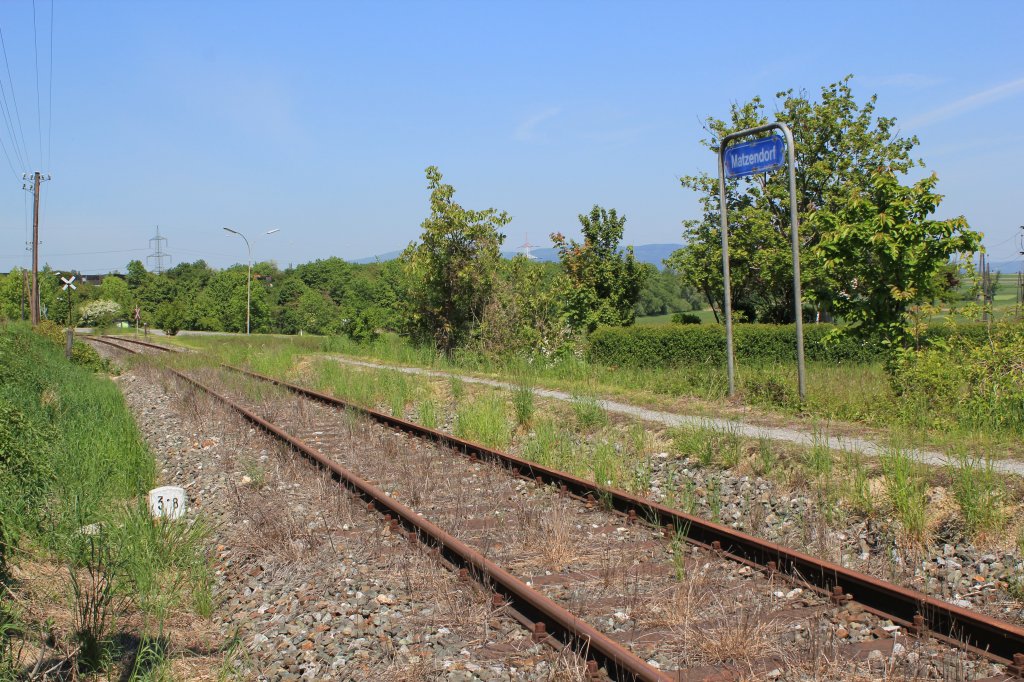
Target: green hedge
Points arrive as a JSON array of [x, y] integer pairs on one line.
[[669, 345]]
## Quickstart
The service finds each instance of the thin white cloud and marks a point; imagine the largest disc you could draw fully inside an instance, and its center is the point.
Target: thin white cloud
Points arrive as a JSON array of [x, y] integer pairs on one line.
[[527, 130], [975, 101]]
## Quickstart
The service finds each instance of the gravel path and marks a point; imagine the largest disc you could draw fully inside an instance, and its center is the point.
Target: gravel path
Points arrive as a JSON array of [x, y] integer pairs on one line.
[[309, 585], [745, 429]]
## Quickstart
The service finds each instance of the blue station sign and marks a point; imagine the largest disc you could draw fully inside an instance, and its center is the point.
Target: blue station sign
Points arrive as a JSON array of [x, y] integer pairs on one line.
[[757, 156]]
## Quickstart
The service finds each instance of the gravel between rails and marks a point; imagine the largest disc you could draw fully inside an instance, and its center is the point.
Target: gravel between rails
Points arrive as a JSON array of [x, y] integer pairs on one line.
[[679, 607], [310, 585]]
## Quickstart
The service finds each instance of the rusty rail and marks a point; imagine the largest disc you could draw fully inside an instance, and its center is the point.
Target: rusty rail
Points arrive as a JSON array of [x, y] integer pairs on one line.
[[100, 339], [620, 663], [997, 640], [147, 344]]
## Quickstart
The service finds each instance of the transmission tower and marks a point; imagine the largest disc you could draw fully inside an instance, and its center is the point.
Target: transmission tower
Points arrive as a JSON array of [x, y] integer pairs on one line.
[[526, 246], [159, 255]]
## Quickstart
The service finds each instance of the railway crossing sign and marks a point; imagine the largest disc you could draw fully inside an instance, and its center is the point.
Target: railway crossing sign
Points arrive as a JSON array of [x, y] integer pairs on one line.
[[756, 156], [68, 283], [138, 314]]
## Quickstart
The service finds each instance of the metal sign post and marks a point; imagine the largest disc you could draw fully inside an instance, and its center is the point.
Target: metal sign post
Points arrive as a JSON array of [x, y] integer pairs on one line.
[[759, 156], [68, 287], [70, 341]]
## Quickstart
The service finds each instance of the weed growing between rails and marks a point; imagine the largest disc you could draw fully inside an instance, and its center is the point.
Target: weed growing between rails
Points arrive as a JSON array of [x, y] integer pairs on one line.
[[485, 420], [72, 486]]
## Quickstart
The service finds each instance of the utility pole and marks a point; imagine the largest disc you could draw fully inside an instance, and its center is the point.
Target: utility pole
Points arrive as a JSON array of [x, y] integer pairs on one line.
[[32, 185]]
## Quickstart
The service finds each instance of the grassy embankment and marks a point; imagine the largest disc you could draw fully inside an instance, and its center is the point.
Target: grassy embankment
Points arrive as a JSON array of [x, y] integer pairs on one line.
[[74, 473]]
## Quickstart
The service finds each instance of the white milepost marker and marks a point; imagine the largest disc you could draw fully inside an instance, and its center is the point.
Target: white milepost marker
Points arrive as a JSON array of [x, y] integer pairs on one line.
[[167, 502]]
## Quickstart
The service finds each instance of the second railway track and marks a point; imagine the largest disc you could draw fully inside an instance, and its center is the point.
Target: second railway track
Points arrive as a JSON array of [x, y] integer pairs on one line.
[[653, 593]]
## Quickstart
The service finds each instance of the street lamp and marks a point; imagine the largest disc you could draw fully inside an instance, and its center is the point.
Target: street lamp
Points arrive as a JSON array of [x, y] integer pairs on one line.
[[248, 279]]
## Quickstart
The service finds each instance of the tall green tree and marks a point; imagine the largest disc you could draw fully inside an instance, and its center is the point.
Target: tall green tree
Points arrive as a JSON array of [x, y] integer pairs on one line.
[[839, 143], [603, 282], [451, 269], [882, 252]]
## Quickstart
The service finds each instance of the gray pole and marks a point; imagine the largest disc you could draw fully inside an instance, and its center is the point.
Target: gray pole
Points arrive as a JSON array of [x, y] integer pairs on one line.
[[794, 220], [795, 234], [727, 288], [248, 281], [248, 287]]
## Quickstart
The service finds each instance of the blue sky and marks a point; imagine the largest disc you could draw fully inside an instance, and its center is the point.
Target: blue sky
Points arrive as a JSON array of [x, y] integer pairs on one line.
[[318, 118]]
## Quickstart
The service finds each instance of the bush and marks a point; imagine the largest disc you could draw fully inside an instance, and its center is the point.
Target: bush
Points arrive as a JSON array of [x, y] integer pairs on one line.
[[170, 318], [964, 381], [81, 352], [685, 318], [682, 344], [99, 313], [672, 345]]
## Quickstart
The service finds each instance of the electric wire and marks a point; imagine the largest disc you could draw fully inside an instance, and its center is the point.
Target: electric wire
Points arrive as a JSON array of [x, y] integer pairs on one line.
[[14, 99], [9, 123], [8, 157], [49, 105], [39, 111]]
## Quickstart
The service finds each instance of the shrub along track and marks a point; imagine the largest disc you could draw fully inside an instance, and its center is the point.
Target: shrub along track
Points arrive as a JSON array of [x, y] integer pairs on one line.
[[713, 607]]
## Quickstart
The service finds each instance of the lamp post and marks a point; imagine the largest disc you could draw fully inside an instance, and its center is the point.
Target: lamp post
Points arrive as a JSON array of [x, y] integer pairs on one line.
[[248, 279]]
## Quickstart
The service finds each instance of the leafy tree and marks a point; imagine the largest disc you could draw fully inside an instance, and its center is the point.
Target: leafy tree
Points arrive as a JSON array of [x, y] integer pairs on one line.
[[170, 317], [137, 274], [664, 292], [12, 292], [603, 283], [115, 289], [316, 313], [882, 253], [451, 270], [839, 143]]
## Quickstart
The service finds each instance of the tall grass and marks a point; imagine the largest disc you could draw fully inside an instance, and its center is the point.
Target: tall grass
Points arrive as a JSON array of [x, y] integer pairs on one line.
[[858, 484], [709, 445], [484, 420], [979, 490], [589, 413], [522, 399], [426, 413], [74, 459], [906, 484], [552, 446]]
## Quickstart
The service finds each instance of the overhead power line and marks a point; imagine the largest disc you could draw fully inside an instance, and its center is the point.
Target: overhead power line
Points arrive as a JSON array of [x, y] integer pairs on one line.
[[39, 110], [49, 104], [14, 99]]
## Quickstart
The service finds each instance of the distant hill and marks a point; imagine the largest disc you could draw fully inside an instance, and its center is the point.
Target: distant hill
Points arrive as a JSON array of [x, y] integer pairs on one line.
[[645, 253], [1008, 267]]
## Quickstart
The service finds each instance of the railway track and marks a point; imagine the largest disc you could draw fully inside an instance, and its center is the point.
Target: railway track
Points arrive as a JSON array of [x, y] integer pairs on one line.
[[641, 587], [110, 340]]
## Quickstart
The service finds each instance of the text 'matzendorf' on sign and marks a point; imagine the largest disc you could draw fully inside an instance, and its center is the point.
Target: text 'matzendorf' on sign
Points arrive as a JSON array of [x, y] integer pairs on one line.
[[756, 156]]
